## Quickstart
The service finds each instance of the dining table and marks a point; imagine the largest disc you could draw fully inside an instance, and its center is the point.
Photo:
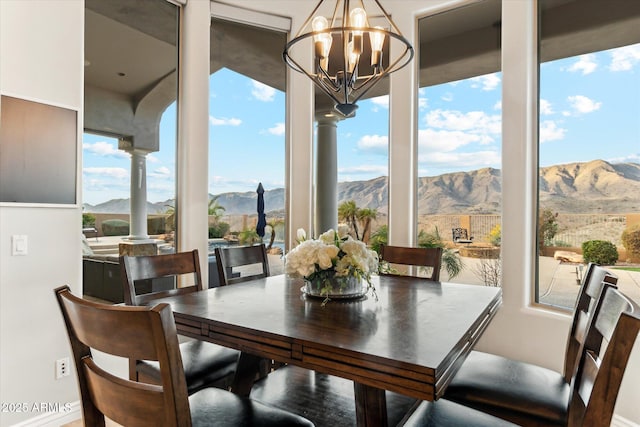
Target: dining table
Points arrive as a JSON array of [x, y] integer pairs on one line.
[[407, 335]]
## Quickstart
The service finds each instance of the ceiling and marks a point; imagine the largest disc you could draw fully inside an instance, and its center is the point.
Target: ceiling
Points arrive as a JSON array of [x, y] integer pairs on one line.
[[130, 45]]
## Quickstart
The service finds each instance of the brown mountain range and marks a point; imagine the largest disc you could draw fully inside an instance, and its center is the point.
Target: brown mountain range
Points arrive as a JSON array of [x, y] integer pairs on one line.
[[596, 186]]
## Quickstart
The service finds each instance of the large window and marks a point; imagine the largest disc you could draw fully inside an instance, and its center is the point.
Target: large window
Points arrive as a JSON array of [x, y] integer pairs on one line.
[[130, 110], [246, 136], [589, 138], [459, 151]]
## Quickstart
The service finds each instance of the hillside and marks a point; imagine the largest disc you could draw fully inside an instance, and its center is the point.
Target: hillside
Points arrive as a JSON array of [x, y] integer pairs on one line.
[[595, 186]]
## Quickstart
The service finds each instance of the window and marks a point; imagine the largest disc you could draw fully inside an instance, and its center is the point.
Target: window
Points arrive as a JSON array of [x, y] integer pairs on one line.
[[459, 131], [588, 145]]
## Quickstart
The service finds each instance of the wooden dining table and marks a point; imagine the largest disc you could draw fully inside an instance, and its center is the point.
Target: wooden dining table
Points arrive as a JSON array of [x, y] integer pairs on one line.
[[409, 337]]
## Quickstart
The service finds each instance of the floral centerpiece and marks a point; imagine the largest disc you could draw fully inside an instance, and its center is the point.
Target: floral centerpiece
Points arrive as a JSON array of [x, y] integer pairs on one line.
[[334, 265]]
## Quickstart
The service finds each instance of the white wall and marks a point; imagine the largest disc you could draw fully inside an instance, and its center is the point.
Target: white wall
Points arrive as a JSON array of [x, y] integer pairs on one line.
[[41, 59], [46, 66]]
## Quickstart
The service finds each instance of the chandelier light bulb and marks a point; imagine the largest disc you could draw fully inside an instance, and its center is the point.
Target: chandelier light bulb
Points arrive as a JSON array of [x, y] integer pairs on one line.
[[345, 80], [377, 41], [358, 19]]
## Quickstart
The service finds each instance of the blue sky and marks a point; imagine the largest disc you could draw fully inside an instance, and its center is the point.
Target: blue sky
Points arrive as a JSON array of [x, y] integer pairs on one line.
[[589, 109]]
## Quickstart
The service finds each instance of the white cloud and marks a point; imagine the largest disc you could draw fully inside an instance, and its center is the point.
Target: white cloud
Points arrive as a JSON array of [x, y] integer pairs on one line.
[[625, 58], [277, 130], [486, 82], [377, 170], [223, 121], [151, 158], [441, 141], [376, 143], [380, 101], [422, 103], [585, 64], [582, 104], [498, 105], [545, 108], [631, 158], [549, 131], [477, 159], [447, 97], [104, 149], [118, 173], [262, 92], [162, 172], [477, 122]]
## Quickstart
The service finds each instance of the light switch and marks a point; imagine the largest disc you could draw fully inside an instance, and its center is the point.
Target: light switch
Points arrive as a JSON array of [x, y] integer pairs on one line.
[[19, 245]]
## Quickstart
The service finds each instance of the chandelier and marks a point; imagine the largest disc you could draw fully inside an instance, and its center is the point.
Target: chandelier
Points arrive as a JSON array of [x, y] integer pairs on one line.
[[351, 49]]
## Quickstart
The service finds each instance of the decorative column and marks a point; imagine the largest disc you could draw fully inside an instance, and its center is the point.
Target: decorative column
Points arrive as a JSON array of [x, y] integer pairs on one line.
[[138, 221], [326, 173]]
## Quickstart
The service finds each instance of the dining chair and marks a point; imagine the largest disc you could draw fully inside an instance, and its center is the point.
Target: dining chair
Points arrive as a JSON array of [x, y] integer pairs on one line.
[[252, 259], [147, 333], [525, 393], [421, 257], [591, 397], [205, 364]]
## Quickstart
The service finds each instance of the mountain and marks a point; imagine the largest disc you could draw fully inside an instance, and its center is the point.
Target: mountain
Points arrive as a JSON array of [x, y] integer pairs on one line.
[[595, 186]]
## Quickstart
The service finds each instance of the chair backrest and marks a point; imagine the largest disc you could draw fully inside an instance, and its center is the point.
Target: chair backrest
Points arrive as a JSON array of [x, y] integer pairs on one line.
[[134, 332], [253, 259], [178, 265], [421, 257], [603, 360], [592, 288]]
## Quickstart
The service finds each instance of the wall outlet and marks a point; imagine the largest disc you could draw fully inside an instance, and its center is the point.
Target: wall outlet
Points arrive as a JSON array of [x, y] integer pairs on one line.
[[62, 367]]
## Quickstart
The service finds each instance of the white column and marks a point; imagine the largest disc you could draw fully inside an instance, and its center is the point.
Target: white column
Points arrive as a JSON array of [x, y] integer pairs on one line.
[[193, 131], [326, 173], [138, 208], [403, 143]]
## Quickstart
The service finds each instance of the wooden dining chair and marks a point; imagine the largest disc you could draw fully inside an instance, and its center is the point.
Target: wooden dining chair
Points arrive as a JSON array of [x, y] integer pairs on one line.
[[430, 258], [252, 259], [525, 393], [147, 333], [205, 364], [591, 397]]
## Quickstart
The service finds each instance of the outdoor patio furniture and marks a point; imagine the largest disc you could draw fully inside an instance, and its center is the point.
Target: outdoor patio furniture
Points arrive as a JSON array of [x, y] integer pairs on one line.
[[148, 333], [461, 235], [205, 364]]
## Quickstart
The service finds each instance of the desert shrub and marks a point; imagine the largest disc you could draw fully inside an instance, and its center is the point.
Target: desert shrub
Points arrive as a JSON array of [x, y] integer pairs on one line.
[[248, 237], [547, 227], [495, 235], [115, 227], [218, 230], [631, 240], [430, 239], [378, 238], [157, 225], [88, 220], [599, 251]]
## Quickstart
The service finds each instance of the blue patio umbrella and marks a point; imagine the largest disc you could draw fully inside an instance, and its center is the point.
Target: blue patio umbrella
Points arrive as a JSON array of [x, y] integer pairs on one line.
[[262, 219]]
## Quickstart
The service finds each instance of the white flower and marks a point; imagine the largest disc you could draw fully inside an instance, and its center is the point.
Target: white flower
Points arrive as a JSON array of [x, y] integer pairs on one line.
[[332, 251], [301, 235]]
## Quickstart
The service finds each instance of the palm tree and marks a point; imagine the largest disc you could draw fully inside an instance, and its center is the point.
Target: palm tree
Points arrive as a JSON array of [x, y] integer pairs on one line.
[[365, 216], [215, 208], [273, 224], [348, 212]]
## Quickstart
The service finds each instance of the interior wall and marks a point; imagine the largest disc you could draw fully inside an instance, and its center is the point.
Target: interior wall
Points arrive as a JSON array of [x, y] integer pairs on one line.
[[46, 66], [41, 57]]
